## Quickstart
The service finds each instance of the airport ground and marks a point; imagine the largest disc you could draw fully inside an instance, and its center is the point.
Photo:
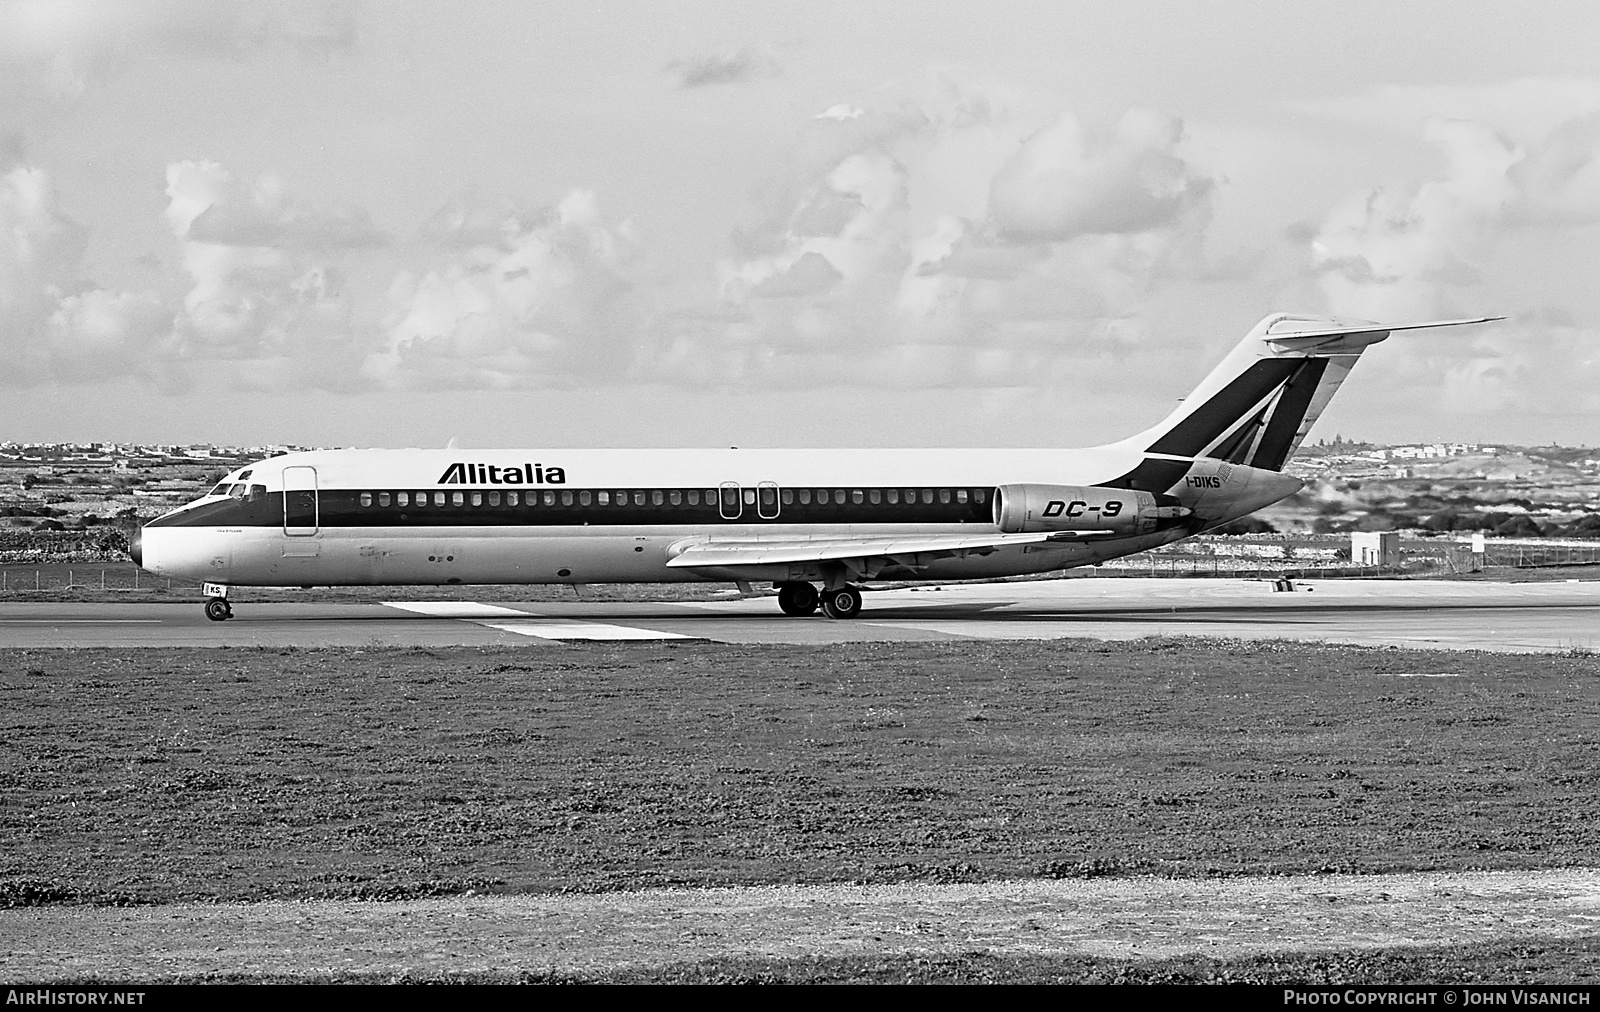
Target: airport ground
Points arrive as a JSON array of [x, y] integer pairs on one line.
[[945, 806]]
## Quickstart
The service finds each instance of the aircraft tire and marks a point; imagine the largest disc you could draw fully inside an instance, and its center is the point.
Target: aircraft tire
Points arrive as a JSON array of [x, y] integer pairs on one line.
[[217, 609], [842, 603], [797, 598]]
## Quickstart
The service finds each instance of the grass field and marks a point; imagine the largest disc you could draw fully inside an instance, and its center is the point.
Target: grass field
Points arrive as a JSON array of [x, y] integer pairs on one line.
[[168, 775]]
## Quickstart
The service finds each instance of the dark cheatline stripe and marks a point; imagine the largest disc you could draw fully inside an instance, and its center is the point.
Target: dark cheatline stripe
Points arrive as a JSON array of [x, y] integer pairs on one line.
[[1217, 415], [341, 508], [1151, 476], [1273, 450]]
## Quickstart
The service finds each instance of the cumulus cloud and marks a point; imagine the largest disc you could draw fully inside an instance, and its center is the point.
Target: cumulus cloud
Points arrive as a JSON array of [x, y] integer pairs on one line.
[[1464, 243], [946, 242], [53, 324], [519, 300], [740, 67], [60, 48], [1397, 251], [266, 291], [1066, 180]]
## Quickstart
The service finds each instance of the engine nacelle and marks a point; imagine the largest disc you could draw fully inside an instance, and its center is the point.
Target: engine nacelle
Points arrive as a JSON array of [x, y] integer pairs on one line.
[[1027, 509]]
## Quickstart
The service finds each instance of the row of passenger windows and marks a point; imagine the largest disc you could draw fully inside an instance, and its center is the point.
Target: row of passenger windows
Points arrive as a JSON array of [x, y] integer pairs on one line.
[[727, 497]]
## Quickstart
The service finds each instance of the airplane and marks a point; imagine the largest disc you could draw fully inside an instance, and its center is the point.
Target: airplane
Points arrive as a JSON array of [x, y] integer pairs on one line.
[[816, 523]]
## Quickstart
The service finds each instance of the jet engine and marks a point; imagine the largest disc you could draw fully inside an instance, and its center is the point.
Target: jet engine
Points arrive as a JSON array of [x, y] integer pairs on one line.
[[1027, 509]]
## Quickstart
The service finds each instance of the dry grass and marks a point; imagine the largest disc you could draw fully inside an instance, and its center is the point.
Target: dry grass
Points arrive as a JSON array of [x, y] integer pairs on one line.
[[166, 775]]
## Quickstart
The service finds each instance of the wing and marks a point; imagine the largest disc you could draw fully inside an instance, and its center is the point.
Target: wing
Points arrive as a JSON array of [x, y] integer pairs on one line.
[[905, 550]]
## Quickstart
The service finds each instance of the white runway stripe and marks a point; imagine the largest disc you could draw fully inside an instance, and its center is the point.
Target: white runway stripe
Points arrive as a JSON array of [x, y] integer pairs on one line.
[[455, 609], [522, 623], [557, 629]]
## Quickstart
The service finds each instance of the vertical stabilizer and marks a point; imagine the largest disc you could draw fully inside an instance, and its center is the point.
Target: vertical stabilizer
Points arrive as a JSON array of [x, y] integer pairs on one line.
[[1258, 404]]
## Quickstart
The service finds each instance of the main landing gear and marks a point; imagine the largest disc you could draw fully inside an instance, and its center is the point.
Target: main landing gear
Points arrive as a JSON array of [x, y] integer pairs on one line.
[[798, 598], [217, 607]]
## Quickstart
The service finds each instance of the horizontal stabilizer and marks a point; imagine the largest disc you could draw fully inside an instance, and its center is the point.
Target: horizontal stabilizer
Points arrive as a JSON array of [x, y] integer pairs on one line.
[[717, 554], [1289, 334]]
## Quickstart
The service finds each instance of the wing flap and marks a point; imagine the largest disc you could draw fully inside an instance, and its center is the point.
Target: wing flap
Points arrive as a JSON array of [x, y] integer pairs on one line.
[[719, 554]]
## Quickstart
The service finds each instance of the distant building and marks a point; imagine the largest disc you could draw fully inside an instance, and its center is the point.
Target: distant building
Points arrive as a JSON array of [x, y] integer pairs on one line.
[[1375, 548]]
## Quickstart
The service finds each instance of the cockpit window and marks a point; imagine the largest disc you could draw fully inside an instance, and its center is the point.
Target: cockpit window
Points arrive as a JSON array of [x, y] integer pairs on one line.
[[238, 489], [257, 492], [221, 489]]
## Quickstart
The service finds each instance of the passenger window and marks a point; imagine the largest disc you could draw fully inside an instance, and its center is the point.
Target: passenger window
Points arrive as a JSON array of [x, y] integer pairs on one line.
[[655, 498], [439, 499], [584, 498], [494, 498], [550, 499], [366, 498], [944, 495], [515, 499], [961, 495], [805, 497], [894, 496], [477, 498], [874, 496], [978, 495], [788, 497], [855, 496], [927, 495], [605, 498], [458, 498], [730, 497], [566, 498], [822, 497], [838, 496], [694, 497], [749, 497], [383, 499], [675, 497], [638, 498]]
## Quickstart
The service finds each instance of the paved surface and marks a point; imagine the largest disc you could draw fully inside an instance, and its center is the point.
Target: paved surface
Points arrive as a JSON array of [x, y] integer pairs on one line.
[[1118, 918], [1482, 616]]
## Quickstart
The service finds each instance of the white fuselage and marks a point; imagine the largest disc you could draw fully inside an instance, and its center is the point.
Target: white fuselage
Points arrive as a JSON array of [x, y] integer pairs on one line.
[[351, 517]]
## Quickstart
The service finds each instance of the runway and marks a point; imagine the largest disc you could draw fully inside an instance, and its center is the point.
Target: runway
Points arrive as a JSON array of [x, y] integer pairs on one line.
[[1547, 617]]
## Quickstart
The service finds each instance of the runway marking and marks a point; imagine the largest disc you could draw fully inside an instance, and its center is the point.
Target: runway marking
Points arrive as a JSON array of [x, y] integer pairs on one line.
[[80, 621], [522, 623], [455, 609], [557, 629]]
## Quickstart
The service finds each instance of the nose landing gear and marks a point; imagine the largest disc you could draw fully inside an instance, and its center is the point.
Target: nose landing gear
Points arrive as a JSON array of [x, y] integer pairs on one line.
[[217, 607]]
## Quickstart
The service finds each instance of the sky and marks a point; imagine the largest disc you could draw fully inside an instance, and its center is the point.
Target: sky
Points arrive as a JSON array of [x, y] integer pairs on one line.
[[784, 224]]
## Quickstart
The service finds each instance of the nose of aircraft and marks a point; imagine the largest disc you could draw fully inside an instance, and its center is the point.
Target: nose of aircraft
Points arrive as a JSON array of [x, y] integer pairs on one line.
[[136, 546]]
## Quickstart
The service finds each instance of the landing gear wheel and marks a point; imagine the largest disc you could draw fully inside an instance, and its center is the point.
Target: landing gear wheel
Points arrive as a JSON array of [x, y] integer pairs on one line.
[[842, 603], [797, 598], [217, 609]]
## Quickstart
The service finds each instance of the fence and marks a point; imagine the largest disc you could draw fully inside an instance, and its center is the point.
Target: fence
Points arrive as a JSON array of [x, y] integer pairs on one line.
[[68, 577]]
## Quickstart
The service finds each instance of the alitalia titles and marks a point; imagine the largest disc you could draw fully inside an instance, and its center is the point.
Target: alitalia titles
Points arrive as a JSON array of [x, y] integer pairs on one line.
[[464, 473]]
